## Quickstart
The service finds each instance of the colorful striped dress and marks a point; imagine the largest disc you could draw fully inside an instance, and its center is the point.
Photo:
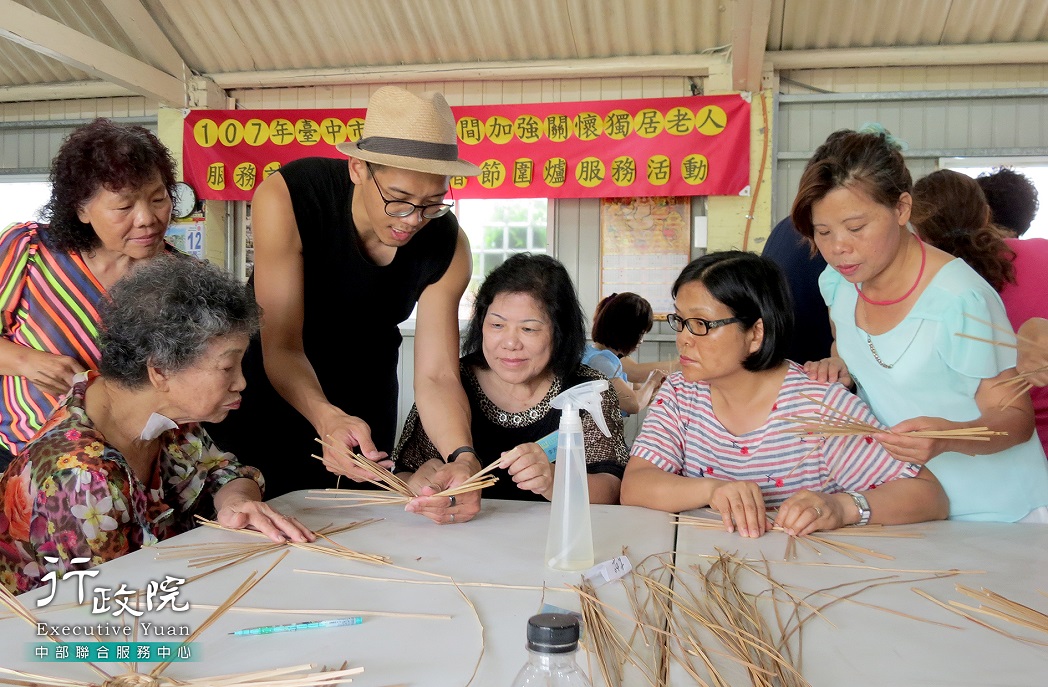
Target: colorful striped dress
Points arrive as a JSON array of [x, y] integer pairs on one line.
[[48, 301], [681, 434]]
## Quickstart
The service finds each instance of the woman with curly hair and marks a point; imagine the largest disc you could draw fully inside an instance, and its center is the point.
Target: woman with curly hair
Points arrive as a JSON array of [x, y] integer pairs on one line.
[[123, 462], [955, 217], [109, 209]]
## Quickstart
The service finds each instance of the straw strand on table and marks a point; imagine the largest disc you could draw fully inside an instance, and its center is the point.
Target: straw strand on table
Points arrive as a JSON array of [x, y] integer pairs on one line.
[[228, 554], [293, 676], [954, 608]]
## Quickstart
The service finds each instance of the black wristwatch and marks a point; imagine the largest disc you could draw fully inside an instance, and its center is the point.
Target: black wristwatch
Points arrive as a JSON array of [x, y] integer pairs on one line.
[[459, 451]]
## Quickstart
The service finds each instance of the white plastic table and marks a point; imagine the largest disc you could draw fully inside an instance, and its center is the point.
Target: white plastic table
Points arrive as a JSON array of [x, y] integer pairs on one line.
[[504, 546], [868, 646]]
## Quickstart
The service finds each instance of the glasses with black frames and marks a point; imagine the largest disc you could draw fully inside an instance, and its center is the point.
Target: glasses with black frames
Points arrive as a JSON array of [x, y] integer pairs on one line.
[[697, 325], [403, 208]]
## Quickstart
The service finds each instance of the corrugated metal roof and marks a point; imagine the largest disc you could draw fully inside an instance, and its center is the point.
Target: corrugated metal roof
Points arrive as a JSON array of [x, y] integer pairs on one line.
[[275, 35], [814, 24], [270, 35]]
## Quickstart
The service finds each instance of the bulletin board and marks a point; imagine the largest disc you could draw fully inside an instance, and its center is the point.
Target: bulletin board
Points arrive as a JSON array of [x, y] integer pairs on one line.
[[645, 242]]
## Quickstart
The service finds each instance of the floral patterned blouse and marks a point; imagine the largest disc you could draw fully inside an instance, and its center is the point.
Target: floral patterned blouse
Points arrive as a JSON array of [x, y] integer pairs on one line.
[[69, 494]]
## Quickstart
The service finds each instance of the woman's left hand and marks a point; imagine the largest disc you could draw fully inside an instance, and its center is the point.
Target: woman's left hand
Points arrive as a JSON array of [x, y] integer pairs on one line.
[[530, 468], [917, 450], [436, 476], [248, 514], [808, 511]]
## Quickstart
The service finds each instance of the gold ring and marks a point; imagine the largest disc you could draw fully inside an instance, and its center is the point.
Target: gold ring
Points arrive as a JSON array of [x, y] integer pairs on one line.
[[818, 511]]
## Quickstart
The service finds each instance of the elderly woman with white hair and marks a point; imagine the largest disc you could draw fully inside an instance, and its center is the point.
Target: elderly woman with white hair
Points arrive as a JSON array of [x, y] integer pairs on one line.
[[123, 462]]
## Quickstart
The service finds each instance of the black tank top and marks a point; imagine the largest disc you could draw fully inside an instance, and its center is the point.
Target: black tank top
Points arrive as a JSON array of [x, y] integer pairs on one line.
[[350, 332]]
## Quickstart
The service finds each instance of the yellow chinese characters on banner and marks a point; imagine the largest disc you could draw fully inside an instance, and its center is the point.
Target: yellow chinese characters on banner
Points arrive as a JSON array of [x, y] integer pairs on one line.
[[667, 146]]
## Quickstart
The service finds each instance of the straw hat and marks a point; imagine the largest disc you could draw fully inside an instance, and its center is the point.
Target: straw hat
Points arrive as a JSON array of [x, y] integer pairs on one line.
[[408, 131]]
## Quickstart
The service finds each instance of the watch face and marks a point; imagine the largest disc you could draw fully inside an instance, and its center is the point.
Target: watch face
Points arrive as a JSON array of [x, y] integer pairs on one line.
[[183, 201]]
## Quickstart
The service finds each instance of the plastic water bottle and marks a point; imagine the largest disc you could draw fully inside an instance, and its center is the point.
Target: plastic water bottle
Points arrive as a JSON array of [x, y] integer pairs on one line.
[[553, 639], [569, 545]]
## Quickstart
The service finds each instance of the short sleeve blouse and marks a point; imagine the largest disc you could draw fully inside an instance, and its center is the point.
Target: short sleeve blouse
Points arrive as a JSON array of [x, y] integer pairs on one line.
[[682, 435], [933, 372]]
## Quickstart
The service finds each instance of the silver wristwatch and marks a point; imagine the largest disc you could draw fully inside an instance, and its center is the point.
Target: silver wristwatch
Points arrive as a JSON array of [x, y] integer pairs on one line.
[[862, 504]]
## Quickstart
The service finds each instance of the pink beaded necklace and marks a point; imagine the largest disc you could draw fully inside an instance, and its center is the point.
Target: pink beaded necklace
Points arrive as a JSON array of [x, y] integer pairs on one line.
[[920, 273]]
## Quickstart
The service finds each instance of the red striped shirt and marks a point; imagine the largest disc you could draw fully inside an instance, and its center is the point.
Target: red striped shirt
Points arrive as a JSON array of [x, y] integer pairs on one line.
[[48, 301], [681, 434]]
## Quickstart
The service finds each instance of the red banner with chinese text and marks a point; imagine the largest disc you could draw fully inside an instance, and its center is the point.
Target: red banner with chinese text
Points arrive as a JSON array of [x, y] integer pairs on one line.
[[686, 146]]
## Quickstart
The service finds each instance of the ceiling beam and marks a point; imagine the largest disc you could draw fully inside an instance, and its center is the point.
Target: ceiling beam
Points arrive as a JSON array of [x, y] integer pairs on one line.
[[648, 65], [146, 35], [59, 42], [749, 36], [65, 90], [922, 56]]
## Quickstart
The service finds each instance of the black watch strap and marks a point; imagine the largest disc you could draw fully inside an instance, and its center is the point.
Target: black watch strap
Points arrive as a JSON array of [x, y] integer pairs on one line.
[[459, 451]]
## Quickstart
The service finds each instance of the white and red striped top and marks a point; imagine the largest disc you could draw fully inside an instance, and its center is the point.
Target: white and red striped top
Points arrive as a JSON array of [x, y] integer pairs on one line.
[[681, 434]]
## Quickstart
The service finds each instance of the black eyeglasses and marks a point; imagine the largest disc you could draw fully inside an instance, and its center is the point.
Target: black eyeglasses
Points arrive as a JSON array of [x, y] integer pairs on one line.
[[697, 325], [403, 208]]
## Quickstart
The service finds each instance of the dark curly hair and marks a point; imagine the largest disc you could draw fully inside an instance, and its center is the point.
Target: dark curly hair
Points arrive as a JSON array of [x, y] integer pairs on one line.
[[956, 218], [1012, 198], [871, 162], [102, 154], [166, 313], [621, 321], [547, 281]]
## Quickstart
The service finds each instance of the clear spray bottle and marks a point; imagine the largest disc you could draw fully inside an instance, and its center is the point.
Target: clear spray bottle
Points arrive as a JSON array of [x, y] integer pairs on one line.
[[570, 542]]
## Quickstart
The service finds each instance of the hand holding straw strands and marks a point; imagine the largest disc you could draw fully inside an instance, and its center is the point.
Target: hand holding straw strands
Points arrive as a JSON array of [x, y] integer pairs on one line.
[[1032, 364], [836, 422], [401, 491], [379, 476], [1032, 351], [824, 539]]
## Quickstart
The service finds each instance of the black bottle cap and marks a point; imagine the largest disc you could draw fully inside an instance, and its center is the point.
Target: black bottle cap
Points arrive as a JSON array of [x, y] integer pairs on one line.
[[553, 633]]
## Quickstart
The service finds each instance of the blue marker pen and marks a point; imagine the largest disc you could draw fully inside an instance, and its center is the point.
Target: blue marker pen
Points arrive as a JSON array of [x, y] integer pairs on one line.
[[271, 629]]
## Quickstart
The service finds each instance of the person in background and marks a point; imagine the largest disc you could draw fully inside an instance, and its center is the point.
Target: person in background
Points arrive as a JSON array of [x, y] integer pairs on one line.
[[720, 434], [123, 462], [954, 217], [343, 252], [109, 209], [1012, 198], [522, 348], [897, 305], [802, 267], [619, 326]]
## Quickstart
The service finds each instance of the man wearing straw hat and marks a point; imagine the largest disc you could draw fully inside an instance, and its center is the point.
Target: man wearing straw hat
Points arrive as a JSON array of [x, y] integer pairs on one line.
[[343, 252]]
